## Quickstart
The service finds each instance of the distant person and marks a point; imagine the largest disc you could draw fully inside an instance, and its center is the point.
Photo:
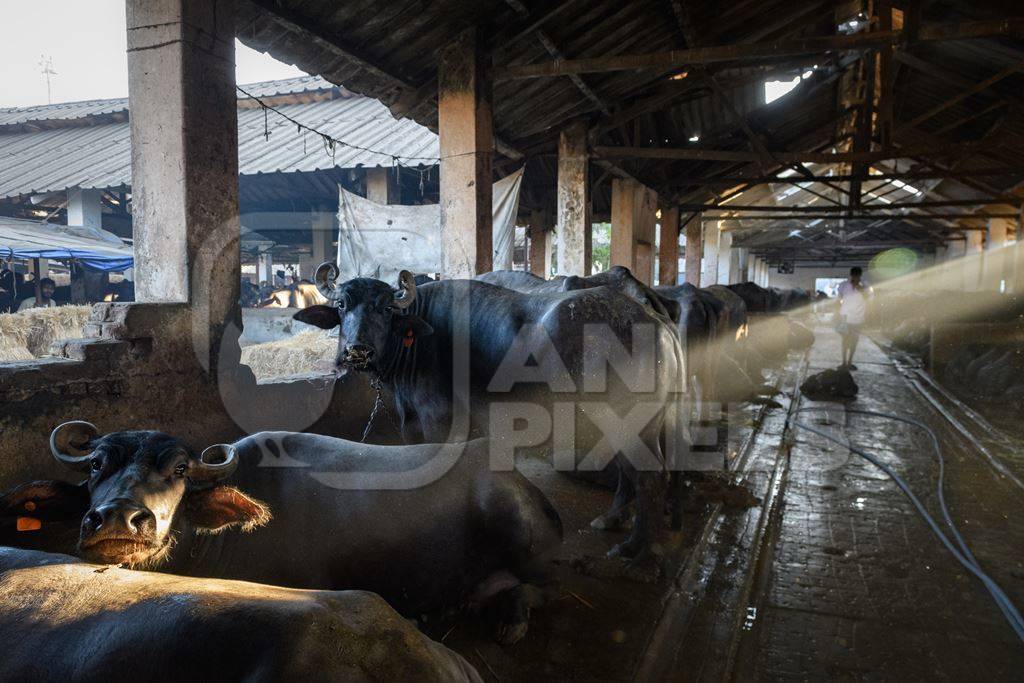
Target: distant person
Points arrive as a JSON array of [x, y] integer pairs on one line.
[[46, 289], [8, 288], [852, 312]]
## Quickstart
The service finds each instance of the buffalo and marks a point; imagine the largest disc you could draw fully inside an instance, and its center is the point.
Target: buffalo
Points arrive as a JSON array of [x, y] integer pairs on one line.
[[66, 620], [427, 527], [467, 358]]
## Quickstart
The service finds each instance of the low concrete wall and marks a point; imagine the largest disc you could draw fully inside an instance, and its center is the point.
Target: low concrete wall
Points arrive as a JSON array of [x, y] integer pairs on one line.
[[139, 369], [261, 325]]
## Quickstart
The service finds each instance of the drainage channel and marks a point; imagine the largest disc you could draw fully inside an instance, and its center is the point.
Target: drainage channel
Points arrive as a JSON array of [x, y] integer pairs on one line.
[[661, 655]]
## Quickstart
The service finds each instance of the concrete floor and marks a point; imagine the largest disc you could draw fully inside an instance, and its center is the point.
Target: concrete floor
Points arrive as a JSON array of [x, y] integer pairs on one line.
[[855, 585], [833, 576]]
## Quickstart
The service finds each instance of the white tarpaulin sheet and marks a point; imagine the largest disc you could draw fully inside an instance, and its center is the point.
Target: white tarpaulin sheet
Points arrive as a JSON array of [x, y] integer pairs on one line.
[[380, 240]]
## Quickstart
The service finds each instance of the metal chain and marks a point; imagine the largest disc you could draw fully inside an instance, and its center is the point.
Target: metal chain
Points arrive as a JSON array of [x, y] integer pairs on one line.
[[378, 403]]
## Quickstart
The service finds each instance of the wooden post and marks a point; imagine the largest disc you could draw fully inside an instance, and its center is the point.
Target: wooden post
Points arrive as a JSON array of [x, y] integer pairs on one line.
[[573, 201], [37, 271], [540, 245], [466, 139], [668, 249], [382, 186], [694, 249]]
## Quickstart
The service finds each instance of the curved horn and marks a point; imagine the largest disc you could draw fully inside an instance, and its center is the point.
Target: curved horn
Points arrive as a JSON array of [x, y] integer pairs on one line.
[[208, 469], [406, 293], [69, 443], [326, 273]]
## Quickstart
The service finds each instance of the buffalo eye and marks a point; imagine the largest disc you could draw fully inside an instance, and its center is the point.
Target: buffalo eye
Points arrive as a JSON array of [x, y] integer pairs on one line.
[[180, 470], [95, 465]]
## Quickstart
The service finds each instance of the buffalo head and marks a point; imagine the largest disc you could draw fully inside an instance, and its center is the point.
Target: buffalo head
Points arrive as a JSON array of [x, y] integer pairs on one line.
[[373, 317], [142, 490]]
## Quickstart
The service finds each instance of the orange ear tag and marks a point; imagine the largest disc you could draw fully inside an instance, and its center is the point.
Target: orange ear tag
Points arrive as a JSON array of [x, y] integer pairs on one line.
[[29, 524], [409, 338]]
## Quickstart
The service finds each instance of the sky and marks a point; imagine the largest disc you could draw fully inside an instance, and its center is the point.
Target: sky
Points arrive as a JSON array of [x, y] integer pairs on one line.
[[85, 40]]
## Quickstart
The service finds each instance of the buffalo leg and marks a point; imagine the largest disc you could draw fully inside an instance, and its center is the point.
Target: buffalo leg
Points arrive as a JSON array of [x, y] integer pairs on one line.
[[616, 515]]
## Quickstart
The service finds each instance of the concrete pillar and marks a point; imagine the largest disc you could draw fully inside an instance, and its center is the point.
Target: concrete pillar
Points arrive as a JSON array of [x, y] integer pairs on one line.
[[633, 219], [728, 260], [573, 201], [184, 128], [466, 139], [744, 265], [995, 269], [940, 255], [694, 249], [324, 231], [709, 270], [540, 245], [1018, 254], [265, 268], [973, 261], [382, 186], [668, 246], [85, 208]]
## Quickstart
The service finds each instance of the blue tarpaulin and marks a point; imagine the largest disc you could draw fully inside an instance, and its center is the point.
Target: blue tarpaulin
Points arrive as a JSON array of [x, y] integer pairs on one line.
[[94, 248]]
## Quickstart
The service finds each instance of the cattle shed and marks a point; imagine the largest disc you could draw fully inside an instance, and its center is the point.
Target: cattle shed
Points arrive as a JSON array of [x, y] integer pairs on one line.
[[814, 464]]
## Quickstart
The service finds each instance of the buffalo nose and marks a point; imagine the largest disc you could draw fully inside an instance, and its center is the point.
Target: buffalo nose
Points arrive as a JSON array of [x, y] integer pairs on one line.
[[128, 516], [360, 350]]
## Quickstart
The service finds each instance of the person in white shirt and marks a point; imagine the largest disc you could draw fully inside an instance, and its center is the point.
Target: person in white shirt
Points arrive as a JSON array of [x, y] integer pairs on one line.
[[46, 289], [852, 311]]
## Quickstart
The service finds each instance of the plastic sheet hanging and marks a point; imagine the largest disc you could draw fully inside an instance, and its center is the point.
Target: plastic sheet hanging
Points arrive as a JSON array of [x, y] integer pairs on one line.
[[380, 240]]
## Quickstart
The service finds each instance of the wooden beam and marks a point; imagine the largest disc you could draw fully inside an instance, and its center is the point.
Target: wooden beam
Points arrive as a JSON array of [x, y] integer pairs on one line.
[[961, 96], [869, 217], [770, 208], [757, 52], [846, 177], [739, 156]]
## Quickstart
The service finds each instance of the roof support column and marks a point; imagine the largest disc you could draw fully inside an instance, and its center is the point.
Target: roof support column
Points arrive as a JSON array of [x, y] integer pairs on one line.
[[633, 219], [573, 201], [728, 259], [973, 261], [709, 271], [743, 274], [466, 135], [996, 270], [382, 186], [540, 245], [668, 247], [694, 249], [85, 208], [184, 127], [1018, 255]]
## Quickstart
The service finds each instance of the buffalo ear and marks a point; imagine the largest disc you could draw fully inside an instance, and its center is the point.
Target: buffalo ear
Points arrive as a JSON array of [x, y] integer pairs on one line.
[[324, 317], [222, 507], [671, 307], [49, 499]]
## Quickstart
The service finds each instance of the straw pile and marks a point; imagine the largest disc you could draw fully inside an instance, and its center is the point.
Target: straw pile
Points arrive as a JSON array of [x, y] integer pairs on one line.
[[305, 352], [28, 334]]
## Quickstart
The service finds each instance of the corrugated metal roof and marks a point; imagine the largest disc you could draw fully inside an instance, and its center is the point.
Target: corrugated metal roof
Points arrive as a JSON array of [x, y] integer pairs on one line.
[[69, 111], [99, 156]]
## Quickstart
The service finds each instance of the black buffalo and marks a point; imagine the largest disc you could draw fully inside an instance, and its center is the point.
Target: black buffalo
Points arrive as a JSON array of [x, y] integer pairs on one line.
[[65, 620], [467, 358], [427, 527], [616, 277]]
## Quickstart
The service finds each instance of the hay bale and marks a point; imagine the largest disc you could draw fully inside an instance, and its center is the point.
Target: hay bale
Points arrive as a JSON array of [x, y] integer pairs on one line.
[[33, 331], [305, 352]]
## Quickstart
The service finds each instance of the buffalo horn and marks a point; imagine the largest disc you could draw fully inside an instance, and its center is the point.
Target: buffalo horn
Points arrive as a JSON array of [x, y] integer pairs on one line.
[[326, 274], [69, 443], [208, 469], [406, 293]]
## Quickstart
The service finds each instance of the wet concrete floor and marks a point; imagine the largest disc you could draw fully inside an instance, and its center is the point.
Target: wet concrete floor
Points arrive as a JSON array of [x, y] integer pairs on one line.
[[833, 576]]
